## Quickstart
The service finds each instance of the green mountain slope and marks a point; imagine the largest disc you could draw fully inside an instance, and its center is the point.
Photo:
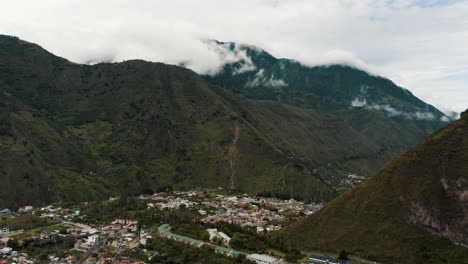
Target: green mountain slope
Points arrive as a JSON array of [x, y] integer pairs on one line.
[[75, 132], [257, 74], [388, 116], [412, 211]]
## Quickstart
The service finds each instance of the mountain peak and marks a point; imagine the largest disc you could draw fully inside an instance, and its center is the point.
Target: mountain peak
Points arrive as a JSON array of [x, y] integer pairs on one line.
[[258, 75]]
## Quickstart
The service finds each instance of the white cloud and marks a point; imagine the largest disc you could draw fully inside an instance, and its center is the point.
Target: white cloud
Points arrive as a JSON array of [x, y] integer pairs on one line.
[[261, 80], [418, 44], [393, 112], [358, 102]]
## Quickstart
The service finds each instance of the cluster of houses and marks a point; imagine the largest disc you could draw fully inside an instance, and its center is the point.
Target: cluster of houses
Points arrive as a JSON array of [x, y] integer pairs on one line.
[[121, 235], [9, 255], [264, 214]]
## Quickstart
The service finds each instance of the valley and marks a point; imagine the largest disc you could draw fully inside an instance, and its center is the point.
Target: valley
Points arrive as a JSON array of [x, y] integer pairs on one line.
[[266, 160]]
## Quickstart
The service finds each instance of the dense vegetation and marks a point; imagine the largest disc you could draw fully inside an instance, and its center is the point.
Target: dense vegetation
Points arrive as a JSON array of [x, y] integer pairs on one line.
[[26, 222], [412, 211], [73, 132]]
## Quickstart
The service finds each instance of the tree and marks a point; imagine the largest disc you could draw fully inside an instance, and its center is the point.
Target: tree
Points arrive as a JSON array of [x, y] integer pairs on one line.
[[204, 235], [293, 256], [13, 243], [343, 255]]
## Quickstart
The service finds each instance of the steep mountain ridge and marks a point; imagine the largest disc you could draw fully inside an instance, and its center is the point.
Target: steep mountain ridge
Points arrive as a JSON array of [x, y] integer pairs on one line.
[[413, 211], [259, 75], [76, 132], [389, 117]]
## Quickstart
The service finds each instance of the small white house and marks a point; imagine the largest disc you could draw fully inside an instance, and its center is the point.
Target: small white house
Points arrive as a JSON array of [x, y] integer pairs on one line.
[[6, 250], [4, 231]]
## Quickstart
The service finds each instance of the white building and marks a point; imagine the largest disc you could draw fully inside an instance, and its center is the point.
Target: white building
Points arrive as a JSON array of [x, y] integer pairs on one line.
[[202, 212], [264, 259], [4, 231], [6, 250], [225, 237]]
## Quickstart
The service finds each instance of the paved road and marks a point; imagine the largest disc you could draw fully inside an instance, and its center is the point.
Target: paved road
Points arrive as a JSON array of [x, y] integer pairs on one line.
[[164, 230]]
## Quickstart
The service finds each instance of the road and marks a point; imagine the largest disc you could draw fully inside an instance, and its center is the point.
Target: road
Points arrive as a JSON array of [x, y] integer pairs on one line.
[[95, 249], [164, 231], [83, 226]]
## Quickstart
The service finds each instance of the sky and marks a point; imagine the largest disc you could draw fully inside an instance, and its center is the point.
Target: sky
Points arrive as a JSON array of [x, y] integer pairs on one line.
[[420, 45]]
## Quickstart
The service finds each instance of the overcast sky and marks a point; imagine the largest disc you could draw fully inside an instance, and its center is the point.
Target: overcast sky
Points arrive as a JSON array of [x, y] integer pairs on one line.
[[421, 45]]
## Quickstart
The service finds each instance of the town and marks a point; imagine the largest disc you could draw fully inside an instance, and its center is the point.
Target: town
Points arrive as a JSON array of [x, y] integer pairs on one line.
[[72, 233]]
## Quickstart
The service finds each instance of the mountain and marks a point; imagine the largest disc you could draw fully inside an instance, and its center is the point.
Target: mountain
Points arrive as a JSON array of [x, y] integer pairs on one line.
[[255, 73], [73, 132], [415, 210], [388, 116]]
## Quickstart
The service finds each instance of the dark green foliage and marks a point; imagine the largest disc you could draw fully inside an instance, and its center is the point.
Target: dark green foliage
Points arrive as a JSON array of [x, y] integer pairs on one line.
[[204, 235], [71, 132], [343, 255], [41, 249], [26, 222], [248, 242], [412, 211], [13, 243], [293, 256], [74, 132]]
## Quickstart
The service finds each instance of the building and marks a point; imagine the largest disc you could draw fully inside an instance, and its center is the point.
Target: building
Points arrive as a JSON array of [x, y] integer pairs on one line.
[[45, 234], [5, 212], [325, 260], [264, 259], [91, 260], [4, 231], [6, 250]]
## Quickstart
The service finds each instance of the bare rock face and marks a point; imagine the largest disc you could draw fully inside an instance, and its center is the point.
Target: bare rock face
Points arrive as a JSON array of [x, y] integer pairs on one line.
[[456, 228], [442, 208]]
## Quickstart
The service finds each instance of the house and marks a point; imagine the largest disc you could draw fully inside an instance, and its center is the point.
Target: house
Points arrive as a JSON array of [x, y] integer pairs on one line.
[[78, 244], [4, 231], [264, 259], [225, 237], [202, 212], [91, 260], [6, 250], [71, 259], [25, 209], [4, 241], [5, 212], [45, 234]]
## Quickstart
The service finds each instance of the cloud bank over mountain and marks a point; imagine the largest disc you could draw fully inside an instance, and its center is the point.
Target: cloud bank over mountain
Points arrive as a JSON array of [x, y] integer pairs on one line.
[[419, 44]]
